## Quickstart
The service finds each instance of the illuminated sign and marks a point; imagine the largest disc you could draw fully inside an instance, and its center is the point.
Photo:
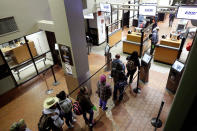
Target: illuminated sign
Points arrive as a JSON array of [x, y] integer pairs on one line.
[[186, 12], [147, 10], [105, 7]]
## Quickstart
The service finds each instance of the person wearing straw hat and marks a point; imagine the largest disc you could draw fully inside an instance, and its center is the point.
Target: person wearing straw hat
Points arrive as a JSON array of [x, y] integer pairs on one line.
[[50, 108]]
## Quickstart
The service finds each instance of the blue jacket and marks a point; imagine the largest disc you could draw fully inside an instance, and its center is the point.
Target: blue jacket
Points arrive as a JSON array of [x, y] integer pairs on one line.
[[155, 38]]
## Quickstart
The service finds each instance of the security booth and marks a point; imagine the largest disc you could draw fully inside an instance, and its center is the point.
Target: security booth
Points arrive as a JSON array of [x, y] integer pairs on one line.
[[108, 58], [174, 77], [145, 66]]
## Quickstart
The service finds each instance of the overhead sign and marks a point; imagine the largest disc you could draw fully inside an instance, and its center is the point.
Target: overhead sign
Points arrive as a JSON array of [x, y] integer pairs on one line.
[[105, 7], [147, 10], [187, 12], [89, 16]]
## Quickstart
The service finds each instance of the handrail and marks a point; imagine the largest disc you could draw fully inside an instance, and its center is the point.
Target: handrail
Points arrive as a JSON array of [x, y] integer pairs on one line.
[[114, 23], [145, 29], [13, 68]]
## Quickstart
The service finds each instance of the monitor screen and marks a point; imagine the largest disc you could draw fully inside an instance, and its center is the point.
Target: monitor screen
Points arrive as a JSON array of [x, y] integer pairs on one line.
[[147, 10], [187, 12], [146, 58], [178, 66], [105, 7]]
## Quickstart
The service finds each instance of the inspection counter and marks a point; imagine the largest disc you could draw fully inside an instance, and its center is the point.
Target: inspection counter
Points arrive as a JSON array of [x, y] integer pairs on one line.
[[167, 51], [133, 42]]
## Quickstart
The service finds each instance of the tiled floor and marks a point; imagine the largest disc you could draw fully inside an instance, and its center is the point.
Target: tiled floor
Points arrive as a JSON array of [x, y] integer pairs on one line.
[[133, 114]]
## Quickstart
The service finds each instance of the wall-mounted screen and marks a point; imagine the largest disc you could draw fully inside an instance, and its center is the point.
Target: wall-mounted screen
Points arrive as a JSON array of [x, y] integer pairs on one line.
[[147, 10], [105, 7], [187, 12], [178, 66]]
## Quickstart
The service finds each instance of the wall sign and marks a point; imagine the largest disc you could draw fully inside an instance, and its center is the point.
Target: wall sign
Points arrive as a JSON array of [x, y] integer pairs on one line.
[[147, 10], [187, 12], [66, 54], [89, 16], [105, 7]]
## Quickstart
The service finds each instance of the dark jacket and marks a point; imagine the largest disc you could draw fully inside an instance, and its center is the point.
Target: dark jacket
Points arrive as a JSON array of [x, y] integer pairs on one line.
[[104, 91], [84, 101], [135, 60]]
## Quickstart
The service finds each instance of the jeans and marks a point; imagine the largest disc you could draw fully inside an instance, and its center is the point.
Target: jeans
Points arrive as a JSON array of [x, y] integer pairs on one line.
[[102, 104], [68, 117], [91, 112], [116, 89], [131, 73]]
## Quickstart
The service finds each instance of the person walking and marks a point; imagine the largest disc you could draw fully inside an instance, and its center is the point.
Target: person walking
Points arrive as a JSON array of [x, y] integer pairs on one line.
[[171, 19], [154, 39], [104, 92], [86, 105], [66, 108], [132, 64]]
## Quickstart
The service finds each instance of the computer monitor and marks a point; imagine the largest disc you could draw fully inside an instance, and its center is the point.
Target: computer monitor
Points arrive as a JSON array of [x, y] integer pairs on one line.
[[146, 58], [178, 66]]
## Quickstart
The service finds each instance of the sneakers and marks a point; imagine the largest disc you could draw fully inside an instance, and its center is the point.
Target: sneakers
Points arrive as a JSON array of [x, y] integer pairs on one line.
[[71, 126]]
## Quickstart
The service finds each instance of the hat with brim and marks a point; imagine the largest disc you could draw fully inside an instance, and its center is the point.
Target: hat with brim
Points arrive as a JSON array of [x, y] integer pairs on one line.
[[49, 102]]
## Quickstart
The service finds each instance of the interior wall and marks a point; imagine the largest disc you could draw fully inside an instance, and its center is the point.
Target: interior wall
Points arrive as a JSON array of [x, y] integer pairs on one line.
[[26, 14]]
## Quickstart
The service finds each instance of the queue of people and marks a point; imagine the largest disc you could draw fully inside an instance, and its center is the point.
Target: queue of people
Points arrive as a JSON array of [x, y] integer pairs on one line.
[[60, 108]]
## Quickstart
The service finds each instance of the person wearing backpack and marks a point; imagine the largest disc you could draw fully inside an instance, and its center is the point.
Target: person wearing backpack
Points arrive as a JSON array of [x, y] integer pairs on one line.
[[86, 105], [51, 117], [114, 64], [65, 105], [104, 92], [120, 81], [132, 64]]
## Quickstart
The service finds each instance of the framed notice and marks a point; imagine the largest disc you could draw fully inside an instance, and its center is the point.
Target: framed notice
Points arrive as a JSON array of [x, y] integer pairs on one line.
[[66, 54]]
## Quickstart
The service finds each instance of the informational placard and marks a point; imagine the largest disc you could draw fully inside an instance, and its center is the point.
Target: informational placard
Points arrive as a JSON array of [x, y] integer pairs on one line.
[[146, 58], [66, 54], [101, 28], [178, 66], [105, 7], [147, 10], [89, 16], [107, 48], [187, 12]]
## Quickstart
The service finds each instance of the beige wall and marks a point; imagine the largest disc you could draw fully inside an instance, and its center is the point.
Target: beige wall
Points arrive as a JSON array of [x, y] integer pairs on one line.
[[26, 14]]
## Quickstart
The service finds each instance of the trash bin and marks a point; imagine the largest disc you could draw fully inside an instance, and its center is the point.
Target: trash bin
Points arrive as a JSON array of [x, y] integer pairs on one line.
[[174, 77]]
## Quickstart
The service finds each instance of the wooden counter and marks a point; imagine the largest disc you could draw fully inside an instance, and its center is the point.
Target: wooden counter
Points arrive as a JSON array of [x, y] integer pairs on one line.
[[169, 42], [20, 53], [134, 37], [115, 37]]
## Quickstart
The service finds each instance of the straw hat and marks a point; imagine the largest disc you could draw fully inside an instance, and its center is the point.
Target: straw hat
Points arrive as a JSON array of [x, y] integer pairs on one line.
[[49, 102]]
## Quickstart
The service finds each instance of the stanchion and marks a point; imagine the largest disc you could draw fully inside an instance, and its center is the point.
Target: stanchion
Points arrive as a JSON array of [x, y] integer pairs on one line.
[[156, 122], [48, 91], [137, 90], [55, 83]]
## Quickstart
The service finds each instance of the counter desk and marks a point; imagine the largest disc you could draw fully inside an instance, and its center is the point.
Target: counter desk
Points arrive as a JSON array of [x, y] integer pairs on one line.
[[133, 42], [167, 51]]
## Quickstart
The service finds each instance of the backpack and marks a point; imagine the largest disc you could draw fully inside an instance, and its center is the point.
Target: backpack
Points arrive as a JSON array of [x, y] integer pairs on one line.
[[130, 65], [45, 123], [116, 66], [65, 105], [77, 108]]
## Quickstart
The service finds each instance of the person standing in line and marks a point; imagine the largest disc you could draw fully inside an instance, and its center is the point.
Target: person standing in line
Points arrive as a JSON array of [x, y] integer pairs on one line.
[[66, 108], [104, 92], [51, 109], [154, 39], [86, 105], [132, 64]]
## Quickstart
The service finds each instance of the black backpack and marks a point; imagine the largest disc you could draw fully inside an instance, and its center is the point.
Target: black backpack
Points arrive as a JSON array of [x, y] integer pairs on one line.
[[45, 123], [116, 66]]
